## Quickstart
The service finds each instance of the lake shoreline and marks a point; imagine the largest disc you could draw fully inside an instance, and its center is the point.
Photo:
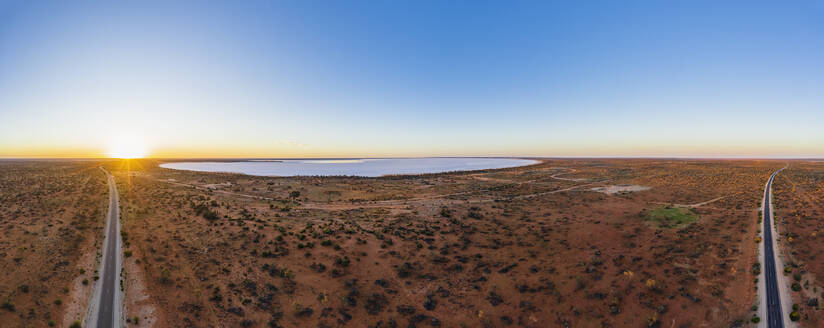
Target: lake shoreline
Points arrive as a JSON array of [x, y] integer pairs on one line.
[[361, 167]]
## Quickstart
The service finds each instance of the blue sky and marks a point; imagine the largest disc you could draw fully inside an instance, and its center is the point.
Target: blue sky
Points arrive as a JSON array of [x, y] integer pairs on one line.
[[416, 78]]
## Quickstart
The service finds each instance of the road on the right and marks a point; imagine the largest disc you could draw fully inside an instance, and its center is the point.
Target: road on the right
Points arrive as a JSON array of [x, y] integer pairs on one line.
[[773, 291]]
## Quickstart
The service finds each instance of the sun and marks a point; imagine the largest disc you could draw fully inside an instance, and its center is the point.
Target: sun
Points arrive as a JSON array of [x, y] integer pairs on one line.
[[128, 147]]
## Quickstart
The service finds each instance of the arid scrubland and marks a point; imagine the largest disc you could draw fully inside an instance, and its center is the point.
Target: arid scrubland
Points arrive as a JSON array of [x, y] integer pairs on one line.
[[799, 211], [51, 221], [532, 246]]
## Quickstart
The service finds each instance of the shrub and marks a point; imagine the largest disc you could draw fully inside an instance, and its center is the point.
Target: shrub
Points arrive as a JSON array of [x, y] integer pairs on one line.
[[406, 310], [205, 212], [76, 324], [375, 303], [475, 213], [494, 299], [165, 276], [445, 212], [794, 316], [653, 322], [405, 270], [429, 303], [319, 267], [344, 261], [301, 311]]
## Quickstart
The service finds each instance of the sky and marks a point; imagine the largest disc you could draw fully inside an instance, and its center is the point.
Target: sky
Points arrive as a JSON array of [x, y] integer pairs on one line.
[[412, 78]]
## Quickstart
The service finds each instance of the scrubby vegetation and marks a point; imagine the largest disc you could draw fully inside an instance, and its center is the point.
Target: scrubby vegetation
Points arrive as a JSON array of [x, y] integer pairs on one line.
[[799, 212], [494, 248], [51, 214]]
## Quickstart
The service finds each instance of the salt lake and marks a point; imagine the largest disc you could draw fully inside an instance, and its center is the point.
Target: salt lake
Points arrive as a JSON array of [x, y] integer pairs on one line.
[[372, 167]]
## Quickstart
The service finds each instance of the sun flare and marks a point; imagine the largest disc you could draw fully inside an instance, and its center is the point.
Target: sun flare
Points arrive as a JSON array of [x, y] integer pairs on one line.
[[128, 147]]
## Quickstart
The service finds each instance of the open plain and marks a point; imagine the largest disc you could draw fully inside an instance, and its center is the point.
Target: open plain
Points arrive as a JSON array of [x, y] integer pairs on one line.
[[534, 246], [799, 211], [562, 243], [51, 227]]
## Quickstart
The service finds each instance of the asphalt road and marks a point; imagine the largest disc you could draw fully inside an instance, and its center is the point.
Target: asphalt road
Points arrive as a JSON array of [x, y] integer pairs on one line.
[[774, 316], [106, 307]]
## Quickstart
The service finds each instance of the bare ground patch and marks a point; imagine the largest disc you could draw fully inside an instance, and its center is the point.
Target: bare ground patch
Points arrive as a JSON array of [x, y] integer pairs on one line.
[[622, 188]]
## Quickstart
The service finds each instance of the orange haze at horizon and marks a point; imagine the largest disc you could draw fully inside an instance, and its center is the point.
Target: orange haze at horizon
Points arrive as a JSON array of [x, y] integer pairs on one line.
[[279, 151]]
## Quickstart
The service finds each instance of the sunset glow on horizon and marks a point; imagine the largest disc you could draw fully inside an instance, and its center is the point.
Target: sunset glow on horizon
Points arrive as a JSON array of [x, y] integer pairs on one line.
[[128, 147], [282, 79]]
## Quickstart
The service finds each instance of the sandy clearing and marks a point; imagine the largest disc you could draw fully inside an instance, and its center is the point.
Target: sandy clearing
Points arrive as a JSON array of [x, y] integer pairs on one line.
[[614, 189], [207, 188], [137, 301], [80, 294]]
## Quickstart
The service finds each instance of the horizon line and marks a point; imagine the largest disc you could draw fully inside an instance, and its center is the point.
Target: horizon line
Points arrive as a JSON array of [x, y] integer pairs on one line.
[[402, 157]]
